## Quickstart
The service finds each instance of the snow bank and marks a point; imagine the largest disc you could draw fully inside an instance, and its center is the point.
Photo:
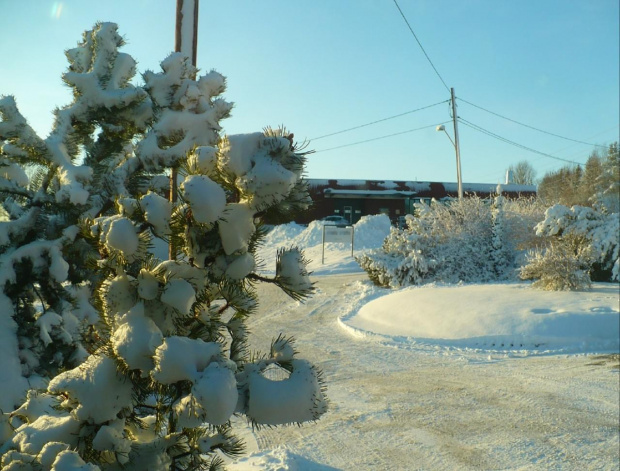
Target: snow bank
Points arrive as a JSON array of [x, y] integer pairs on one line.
[[509, 316], [370, 231]]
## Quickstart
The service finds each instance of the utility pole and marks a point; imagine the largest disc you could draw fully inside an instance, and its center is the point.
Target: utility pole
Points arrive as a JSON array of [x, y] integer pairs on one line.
[[186, 42], [186, 32], [456, 146]]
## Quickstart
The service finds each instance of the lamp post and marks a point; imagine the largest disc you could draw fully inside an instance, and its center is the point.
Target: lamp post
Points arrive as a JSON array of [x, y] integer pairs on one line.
[[455, 143]]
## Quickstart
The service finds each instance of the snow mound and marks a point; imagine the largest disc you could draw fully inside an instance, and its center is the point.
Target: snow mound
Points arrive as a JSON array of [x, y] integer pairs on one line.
[[370, 232], [509, 316], [278, 459]]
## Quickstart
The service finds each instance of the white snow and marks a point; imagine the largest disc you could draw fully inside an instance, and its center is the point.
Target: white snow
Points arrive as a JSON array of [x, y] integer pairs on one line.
[[203, 160], [182, 358], [94, 389], [240, 267], [502, 316], [32, 438], [157, 211], [69, 460], [370, 231], [136, 339], [470, 316], [111, 438], [236, 227], [148, 285], [215, 389], [187, 27], [180, 295], [295, 399], [206, 198]]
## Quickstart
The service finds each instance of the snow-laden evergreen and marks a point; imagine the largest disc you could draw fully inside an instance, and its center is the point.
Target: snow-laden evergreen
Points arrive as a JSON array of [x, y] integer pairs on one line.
[[502, 253], [607, 196], [109, 357]]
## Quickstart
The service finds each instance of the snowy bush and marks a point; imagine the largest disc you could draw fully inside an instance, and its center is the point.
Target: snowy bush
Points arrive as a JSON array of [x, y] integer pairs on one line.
[[563, 266], [124, 360], [444, 242], [470, 240], [586, 230], [520, 218]]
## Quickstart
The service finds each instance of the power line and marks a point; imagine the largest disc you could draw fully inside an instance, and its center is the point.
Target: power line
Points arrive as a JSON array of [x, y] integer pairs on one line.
[[381, 137], [508, 141], [378, 121], [420, 44], [528, 126]]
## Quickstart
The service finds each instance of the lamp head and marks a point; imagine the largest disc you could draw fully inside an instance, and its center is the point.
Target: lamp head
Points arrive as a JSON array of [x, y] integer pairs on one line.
[[441, 127]]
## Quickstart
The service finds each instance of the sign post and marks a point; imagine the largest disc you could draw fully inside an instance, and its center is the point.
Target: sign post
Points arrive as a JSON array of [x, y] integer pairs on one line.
[[342, 234]]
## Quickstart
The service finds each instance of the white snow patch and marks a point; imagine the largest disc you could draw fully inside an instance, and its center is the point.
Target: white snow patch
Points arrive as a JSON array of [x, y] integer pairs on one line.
[[180, 295], [205, 197], [496, 316]]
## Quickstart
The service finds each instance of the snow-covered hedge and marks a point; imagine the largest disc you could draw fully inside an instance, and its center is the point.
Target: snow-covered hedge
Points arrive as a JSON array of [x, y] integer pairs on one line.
[[464, 240], [109, 357], [476, 240]]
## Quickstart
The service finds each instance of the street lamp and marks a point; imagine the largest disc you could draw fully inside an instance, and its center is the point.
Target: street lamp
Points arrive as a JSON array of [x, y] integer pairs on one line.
[[441, 127]]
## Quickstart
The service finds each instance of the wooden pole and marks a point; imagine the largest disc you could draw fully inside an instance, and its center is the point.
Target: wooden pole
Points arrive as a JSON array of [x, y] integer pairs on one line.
[[457, 147], [186, 42]]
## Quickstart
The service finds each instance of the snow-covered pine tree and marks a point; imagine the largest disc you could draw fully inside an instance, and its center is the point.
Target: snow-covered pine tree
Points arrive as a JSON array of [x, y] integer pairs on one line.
[[502, 255], [44, 299], [166, 363], [607, 198], [402, 259]]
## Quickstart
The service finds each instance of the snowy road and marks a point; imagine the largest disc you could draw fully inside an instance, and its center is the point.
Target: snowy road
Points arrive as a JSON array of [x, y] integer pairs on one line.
[[408, 408]]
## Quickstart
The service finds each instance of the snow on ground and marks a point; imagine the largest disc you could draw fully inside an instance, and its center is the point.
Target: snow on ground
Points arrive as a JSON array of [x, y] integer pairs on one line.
[[471, 377], [512, 316]]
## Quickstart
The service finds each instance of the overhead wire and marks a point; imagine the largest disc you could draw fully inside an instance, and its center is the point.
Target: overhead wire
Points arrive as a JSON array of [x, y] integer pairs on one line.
[[549, 166], [381, 137], [378, 121], [508, 141], [528, 126], [420, 44]]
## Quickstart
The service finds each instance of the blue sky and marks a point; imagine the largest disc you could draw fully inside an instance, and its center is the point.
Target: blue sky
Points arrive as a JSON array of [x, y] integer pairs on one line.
[[323, 66]]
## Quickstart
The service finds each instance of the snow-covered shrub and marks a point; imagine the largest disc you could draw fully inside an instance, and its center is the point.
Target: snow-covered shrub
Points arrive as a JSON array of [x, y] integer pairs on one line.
[[501, 252], [598, 231], [521, 216], [563, 266], [470, 240], [399, 262], [443, 242], [139, 363]]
